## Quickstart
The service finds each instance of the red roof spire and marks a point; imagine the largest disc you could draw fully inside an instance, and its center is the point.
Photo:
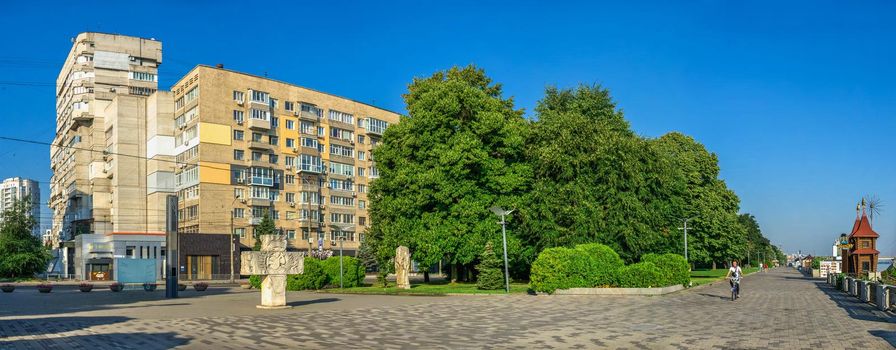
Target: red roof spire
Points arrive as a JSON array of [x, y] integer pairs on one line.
[[864, 226]]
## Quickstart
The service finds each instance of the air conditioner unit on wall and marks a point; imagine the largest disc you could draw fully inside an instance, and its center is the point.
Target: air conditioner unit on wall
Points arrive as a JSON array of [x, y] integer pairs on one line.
[[239, 103]]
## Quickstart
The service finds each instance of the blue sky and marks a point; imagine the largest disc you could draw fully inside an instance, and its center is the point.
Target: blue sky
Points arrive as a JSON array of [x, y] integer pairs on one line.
[[798, 99]]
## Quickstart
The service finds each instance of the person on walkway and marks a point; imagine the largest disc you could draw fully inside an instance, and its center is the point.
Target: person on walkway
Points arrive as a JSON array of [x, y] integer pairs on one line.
[[734, 271]]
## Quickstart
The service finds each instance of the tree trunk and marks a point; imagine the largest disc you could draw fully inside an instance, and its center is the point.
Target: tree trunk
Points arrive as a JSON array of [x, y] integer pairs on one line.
[[426, 276], [713, 265], [453, 272]]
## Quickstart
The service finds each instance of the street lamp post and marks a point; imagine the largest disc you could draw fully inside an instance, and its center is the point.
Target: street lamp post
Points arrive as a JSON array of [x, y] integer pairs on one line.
[[685, 228], [342, 230], [502, 213]]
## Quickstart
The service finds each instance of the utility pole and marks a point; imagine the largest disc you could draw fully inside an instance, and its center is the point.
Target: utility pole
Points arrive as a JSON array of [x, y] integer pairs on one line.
[[685, 228], [231, 246], [502, 213], [171, 246]]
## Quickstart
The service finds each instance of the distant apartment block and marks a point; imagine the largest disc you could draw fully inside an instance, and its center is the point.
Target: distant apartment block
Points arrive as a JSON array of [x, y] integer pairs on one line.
[[17, 188], [249, 146]]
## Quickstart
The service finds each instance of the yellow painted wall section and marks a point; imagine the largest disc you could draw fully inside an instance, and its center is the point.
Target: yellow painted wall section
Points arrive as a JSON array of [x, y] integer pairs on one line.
[[286, 133], [216, 173], [214, 133]]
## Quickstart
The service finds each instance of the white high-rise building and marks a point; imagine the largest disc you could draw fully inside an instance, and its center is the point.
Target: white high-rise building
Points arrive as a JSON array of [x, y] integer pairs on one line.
[[15, 188]]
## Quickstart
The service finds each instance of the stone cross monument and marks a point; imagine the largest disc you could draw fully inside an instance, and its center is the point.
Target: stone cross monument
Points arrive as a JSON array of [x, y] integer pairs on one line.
[[274, 262], [402, 267]]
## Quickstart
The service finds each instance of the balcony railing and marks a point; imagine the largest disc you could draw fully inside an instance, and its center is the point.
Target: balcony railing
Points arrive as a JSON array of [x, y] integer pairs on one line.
[[309, 168]]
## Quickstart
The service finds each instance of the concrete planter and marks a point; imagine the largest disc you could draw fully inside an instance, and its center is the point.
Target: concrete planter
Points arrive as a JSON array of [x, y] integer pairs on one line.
[[816, 273], [844, 285], [619, 291], [863, 291], [882, 296]]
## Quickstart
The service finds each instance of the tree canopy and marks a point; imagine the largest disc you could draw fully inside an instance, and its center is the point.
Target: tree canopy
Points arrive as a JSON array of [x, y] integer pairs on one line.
[[21, 253]]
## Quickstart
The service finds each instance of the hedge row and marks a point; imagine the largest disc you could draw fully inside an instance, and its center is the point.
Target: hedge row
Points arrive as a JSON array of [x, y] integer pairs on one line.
[[597, 265], [318, 274]]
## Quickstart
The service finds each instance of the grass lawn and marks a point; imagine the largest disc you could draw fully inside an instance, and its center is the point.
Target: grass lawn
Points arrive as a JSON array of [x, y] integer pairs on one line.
[[699, 277], [435, 288]]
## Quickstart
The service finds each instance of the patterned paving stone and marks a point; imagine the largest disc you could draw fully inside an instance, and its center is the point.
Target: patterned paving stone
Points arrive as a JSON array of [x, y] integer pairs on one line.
[[779, 310]]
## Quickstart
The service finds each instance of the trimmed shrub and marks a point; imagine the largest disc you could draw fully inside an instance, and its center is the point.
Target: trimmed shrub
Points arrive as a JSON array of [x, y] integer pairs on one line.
[[674, 269], [313, 277], [491, 275], [559, 268], [352, 271], [603, 264], [255, 281], [640, 275]]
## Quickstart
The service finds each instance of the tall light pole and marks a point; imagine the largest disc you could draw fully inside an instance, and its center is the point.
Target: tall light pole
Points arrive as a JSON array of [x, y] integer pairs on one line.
[[685, 228], [502, 213], [342, 230]]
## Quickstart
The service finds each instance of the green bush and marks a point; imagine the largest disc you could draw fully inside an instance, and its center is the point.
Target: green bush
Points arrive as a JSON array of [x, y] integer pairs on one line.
[[640, 275], [491, 274], [313, 276], [559, 268], [603, 264], [352, 271], [255, 281], [816, 262], [674, 269]]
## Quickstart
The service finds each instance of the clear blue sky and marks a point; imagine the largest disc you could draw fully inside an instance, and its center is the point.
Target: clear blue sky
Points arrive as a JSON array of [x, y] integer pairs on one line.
[[797, 98]]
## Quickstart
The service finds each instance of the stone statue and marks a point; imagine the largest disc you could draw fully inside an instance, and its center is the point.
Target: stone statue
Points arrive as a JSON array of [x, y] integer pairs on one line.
[[275, 263], [402, 267]]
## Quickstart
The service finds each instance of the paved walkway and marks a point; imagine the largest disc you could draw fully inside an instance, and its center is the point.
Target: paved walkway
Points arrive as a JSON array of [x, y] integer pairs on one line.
[[779, 309]]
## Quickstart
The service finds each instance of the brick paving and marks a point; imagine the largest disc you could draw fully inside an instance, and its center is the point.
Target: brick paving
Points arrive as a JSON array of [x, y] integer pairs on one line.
[[779, 310]]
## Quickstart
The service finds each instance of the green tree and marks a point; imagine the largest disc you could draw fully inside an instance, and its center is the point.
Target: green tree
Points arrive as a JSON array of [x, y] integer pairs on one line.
[[457, 153], [21, 253], [594, 180], [265, 227], [491, 275]]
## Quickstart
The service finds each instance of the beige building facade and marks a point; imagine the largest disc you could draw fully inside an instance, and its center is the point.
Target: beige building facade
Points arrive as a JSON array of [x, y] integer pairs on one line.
[[249, 146], [110, 154]]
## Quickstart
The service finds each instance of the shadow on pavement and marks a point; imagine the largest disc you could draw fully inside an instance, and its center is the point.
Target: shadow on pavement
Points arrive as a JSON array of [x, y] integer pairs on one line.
[[165, 340], [854, 308], [889, 336], [54, 325], [728, 297], [313, 301], [67, 299]]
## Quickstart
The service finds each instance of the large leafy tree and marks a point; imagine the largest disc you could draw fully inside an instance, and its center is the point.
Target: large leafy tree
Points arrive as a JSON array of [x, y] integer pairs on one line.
[[21, 253], [265, 227], [457, 153], [715, 233], [594, 180]]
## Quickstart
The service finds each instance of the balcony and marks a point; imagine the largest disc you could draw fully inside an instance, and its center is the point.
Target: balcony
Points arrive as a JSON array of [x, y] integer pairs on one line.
[[255, 220], [263, 146], [309, 168], [306, 115], [260, 124], [375, 130], [258, 202]]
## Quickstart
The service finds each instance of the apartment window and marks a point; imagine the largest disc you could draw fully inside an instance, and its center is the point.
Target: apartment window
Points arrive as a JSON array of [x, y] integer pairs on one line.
[[312, 109], [239, 96], [309, 142], [376, 125], [260, 96], [342, 218], [291, 215], [238, 135], [262, 176], [308, 197], [362, 155], [374, 172], [361, 171], [274, 140], [272, 158], [341, 169], [342, 201], [190, 153], [239, 213], [260, 114], [342, 117], [288, 105], [305, 214], [337, 235], [341, 133], [239, 154], [305, 234], [290, 142], [129, 251], [188, 176], [309, 163], [275, 122], [136, 90], [142, 76], [239, 116], [191, 192], [256, 155], [240, 232], [289, 161], [260, 212], [290, 234], [256, 137], [362, 221], [260, 192], [343, 151], [290, 197], [192, 212], [191, 95], [290, 179], [240, 176], [362, 188], [362, 204], [321, 132], [239, 193], [290, 124], [342, 185], [361, 139]]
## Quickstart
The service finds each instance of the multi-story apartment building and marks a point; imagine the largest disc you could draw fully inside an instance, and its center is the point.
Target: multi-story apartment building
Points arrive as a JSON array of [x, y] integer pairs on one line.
[[17, 188], [250, 146], [112, 157]]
